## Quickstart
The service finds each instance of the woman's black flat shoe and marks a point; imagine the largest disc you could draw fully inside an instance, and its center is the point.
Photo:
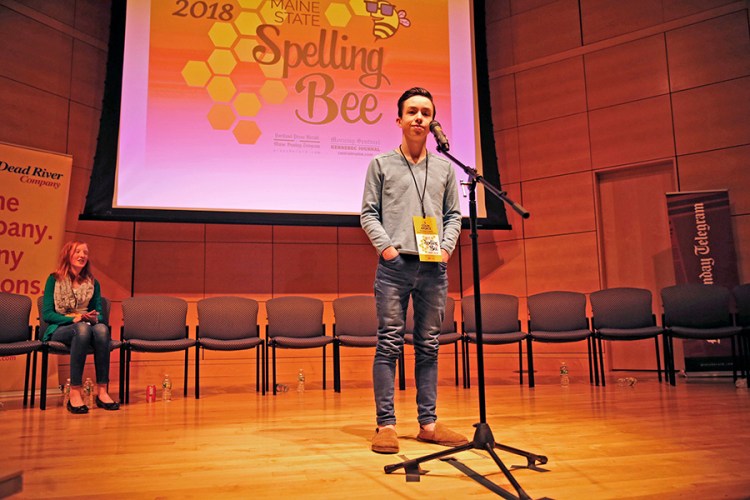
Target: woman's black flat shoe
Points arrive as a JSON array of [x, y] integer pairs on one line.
[[77, 410], [107, 406]]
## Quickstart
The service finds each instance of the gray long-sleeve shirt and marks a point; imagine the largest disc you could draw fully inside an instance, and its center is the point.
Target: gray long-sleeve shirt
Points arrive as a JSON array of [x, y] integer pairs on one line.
[[390, 200]]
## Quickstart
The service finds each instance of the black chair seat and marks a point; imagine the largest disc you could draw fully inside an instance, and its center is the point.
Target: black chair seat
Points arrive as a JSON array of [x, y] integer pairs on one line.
[[357, 341], [496, 338], [567, 336], [226, 324], [139, 345], [230, 345], [15, 335], [56, 347], [295, 322], [698, 311], [702, 333], [16, 348], [355, 325], [647, 332], [299, 342]]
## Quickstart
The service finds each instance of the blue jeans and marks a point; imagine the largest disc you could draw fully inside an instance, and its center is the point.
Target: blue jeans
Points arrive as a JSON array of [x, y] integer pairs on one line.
[[427, 284], [79, 337]]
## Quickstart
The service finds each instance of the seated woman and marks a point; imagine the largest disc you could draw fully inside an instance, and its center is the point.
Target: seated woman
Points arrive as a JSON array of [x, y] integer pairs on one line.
[[72, 301]]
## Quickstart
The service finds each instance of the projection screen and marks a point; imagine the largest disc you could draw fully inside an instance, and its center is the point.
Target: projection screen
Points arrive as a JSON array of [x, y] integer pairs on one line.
[[268, 111]]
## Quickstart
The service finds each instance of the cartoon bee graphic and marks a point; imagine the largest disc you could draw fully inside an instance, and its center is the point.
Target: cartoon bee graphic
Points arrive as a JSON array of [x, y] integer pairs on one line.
[[387, 22]]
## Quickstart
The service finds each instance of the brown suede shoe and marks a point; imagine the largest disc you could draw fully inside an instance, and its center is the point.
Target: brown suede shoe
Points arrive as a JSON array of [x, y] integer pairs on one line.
[[442, 436], [385, 440]]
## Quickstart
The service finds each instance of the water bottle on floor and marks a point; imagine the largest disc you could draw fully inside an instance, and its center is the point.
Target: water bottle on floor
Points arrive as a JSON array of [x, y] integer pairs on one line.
[[564, 379], [66, 393], [166, 389]]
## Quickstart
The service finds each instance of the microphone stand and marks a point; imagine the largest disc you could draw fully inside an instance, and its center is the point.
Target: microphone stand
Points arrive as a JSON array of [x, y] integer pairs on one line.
[[483, 438]]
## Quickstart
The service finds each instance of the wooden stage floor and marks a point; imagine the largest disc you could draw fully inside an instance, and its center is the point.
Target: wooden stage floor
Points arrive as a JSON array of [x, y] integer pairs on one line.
[[647, 441]]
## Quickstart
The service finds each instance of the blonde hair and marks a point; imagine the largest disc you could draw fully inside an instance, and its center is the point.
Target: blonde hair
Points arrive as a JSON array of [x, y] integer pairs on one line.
[[64, 269]]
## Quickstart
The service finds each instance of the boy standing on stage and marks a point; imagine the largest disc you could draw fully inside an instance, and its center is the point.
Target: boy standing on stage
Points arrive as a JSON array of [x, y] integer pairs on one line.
[[411, 213]]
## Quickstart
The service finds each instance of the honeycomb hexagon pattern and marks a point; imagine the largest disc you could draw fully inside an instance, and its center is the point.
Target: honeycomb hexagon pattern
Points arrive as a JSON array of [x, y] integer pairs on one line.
[[196, 73], [247, 132], [338, 14], [222, 61], [221, 116], [233, 43], [247, 104]]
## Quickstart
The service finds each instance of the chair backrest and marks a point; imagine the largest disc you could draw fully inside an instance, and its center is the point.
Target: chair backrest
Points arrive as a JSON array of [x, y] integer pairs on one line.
[[356, 316], [449, 321], [154, 318], [15, 311], [742, 301], [557, 311], [694, 305], [106, 308], [499, 313], [227, 318], [622, 308], [298, 317]]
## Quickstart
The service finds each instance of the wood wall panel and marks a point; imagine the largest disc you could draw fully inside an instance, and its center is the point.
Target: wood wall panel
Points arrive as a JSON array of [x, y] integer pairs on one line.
[[720, 169], [602, 19], [88, 72], [35, 54], [33, 117], [169, 268], [551, 91], [627, 72], [554, 147], [353, 236], [674, 9], [238, 233], [503, 96], [502, 267], [305, 269], [513, 190], [92, 17], [741, 224], [83, 133], [496, 10], [549, 29], [508, 159], [560, 205], [712, 117], [302, 234], [631, 133], [60, 10], [239, 269], [565, 262], [500, 45], [634, 227], [112, 263], [79, 183], [169, 231], [519, 6], [709, 52], [356, 265]]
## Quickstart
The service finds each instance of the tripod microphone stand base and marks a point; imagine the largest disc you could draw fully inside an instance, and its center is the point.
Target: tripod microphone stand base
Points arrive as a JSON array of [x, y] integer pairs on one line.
[[483, 440]]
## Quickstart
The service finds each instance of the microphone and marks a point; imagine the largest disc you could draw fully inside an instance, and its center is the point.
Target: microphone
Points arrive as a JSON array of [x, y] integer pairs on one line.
[[440, 138]]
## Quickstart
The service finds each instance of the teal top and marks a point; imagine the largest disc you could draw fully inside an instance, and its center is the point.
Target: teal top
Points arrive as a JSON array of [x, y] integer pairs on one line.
[[53, 318]]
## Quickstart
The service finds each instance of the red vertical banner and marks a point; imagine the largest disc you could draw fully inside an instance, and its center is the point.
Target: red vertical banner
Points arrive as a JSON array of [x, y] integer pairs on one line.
[[700, 228], [34, 187]]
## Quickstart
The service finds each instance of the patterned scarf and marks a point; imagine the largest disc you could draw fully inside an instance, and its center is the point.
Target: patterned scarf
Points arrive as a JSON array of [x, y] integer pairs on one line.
[[69, 300]]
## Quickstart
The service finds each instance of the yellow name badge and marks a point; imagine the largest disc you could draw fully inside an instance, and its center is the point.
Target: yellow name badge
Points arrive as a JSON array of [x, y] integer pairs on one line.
[[426, 231]]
